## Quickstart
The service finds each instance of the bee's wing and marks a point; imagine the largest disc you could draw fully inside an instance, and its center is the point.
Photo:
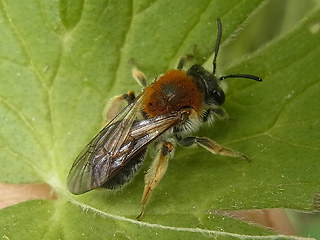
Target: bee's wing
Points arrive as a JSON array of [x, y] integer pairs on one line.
[[145, 131], [114, 146], [97, 157]]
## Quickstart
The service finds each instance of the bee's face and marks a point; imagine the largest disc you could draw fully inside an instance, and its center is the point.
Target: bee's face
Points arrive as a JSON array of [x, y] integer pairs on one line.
[[209, 85]]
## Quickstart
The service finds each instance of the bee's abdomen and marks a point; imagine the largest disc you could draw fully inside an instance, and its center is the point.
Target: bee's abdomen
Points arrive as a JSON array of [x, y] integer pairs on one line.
[[126, 173]]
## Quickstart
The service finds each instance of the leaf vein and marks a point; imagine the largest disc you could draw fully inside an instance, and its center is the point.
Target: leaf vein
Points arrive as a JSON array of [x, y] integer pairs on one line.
[[124, 41], [181, 229], [22, 42], [192, 27], [23, 119], [23, 158]]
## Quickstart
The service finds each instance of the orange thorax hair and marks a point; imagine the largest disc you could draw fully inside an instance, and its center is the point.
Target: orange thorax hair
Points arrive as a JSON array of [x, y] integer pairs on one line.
[[170, 93]]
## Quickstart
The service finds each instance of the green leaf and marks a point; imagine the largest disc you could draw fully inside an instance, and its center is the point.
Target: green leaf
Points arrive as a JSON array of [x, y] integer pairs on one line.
[[61, 62]]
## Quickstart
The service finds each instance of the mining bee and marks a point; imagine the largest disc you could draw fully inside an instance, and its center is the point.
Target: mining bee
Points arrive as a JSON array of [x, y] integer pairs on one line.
[[169, 109]]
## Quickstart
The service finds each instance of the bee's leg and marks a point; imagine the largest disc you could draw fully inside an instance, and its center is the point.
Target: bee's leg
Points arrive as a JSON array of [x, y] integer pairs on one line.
[[214, 113], [211, 146], [183, 59], [139, 77], [155, 173], [187, 57], [129, 97], [116, 104], [137, 74]]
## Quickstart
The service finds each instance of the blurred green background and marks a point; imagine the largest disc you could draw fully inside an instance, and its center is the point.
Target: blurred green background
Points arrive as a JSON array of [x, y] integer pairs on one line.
[[274, 19]]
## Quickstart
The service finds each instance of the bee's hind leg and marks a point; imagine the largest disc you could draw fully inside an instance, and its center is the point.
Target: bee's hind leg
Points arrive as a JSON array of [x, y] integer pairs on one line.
[[211, 146], [114, 106], [155, 173]]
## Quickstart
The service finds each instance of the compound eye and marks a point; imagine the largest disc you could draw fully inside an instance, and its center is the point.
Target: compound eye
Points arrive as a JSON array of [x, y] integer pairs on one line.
[[218, 96]]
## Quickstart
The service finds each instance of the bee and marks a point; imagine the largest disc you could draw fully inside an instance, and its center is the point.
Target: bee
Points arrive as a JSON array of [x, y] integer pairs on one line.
[[169, 109]]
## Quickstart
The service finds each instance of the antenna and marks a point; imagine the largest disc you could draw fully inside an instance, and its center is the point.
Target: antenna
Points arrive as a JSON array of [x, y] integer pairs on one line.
[[253, 77], [216, 49], [214, 62]]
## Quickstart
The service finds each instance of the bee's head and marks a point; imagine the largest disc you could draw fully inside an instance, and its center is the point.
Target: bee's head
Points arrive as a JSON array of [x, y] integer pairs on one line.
[[208, 82]]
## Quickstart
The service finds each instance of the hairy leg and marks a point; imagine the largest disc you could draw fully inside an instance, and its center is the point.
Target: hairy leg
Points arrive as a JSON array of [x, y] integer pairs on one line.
[[155, 173]]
